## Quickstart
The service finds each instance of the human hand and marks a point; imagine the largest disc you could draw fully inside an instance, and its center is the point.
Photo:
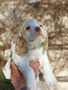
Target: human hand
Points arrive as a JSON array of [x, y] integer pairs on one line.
[[35, 67], [17, 78]]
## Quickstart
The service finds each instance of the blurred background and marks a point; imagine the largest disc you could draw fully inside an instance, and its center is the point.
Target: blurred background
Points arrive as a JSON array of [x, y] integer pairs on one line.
[[53, 14]]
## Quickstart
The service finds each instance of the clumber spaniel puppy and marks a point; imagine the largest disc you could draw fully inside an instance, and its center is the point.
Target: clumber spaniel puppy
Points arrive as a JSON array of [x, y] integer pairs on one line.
[[31, 44]]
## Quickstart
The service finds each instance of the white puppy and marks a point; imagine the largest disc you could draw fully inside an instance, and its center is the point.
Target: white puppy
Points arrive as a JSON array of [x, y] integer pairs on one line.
[[31, 44]]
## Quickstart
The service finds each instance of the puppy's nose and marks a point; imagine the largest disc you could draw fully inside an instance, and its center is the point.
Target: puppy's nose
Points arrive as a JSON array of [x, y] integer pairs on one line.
[[37, 29]]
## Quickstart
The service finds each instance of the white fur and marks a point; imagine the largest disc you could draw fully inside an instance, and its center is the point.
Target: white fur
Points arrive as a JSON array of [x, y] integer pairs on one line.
[[35, 52]]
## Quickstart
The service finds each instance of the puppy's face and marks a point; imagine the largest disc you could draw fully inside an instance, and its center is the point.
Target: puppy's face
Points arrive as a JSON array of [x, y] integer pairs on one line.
[[33, 32], [32, 35]]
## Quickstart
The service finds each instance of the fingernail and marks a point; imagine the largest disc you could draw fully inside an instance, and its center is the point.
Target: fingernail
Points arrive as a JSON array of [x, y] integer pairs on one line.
[[37, 62]]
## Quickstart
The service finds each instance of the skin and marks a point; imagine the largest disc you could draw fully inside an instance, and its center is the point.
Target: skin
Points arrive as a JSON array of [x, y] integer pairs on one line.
[[17, 79]]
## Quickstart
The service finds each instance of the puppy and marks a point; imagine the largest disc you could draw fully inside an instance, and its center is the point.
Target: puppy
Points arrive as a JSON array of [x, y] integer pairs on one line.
[[31, 44]]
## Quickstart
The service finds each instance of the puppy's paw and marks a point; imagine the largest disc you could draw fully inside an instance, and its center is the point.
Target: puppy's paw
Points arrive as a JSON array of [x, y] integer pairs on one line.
[[30, 89], [31, 86], [51, 80]]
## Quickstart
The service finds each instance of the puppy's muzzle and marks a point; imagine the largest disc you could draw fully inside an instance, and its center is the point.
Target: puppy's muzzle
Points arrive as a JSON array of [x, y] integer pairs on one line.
[[37, 29]]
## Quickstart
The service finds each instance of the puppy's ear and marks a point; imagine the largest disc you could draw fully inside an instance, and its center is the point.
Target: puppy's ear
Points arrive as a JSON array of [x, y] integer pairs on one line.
[[21, 45], [45, 44]]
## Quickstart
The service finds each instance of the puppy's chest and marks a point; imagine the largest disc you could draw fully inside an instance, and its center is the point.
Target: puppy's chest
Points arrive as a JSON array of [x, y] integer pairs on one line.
[[35, 54], [32, 55]]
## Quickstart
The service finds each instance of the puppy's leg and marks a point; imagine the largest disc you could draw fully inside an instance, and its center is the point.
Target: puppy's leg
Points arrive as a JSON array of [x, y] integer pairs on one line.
[[47, 73], [38, 83], [7, 69], [29, 75]]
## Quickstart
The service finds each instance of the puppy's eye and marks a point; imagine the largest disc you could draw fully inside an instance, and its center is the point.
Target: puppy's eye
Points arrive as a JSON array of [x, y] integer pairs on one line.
[[28, 28], [41, 26]]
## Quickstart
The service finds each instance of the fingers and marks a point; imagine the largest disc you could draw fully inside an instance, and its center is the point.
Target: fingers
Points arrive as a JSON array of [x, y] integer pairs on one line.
[[13, 66], [14, 69], [35, 67]]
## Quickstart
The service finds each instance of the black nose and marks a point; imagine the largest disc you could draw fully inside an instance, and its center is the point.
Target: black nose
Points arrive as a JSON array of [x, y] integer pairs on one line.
[[37, 29]]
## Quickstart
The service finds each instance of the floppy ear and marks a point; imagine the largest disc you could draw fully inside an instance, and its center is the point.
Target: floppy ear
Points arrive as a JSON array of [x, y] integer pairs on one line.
[[45, 44], [21, 45]]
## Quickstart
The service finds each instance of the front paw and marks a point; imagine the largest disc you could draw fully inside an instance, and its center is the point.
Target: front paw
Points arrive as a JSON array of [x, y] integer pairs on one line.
[[31, 86], [51, 80]]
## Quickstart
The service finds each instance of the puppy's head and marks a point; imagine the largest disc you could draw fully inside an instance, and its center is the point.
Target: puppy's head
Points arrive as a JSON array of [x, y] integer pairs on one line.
[[32, 35]]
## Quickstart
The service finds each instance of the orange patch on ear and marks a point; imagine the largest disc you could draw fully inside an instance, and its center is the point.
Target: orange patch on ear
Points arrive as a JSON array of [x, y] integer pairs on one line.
[[45, 44], [21, 45]]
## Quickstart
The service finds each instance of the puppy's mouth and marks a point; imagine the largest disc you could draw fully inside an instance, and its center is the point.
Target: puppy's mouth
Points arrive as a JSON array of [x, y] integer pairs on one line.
[[36, 35]]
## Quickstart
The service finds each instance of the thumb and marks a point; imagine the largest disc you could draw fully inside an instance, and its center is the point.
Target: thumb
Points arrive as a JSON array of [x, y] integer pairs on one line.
[[14, 68]]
